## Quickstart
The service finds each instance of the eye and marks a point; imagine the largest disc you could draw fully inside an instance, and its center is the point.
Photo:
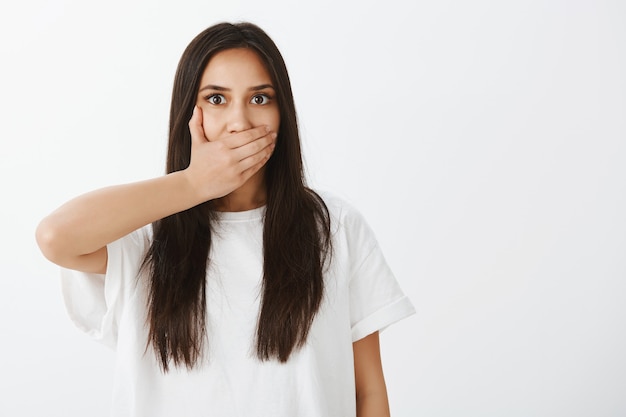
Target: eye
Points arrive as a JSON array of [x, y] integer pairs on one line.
[[260, 99], [216, 99]]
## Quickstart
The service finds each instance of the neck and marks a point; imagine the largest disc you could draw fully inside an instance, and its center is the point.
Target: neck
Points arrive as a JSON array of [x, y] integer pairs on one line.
[[252, 194]]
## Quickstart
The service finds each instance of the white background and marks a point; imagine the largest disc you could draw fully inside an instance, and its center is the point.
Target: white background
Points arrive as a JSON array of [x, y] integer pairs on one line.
[[485, 142]]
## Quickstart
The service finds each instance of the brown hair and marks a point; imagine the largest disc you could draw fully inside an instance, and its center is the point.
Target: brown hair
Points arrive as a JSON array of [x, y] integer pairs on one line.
[[296, 234]]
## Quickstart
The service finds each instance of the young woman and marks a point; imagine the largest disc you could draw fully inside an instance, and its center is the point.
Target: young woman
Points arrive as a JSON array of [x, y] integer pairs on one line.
[[226, 286]]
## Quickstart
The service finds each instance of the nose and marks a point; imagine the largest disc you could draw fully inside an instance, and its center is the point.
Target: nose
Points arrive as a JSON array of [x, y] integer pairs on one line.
[[238, 118]]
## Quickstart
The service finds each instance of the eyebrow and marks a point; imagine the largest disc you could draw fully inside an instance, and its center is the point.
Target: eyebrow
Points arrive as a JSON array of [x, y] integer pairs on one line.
[[220, 88]]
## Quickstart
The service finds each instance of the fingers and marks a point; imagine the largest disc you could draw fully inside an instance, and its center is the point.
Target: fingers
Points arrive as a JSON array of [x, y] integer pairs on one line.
[[253, 163], [240, 139], [232, 141], [195, 126], [259, 145]]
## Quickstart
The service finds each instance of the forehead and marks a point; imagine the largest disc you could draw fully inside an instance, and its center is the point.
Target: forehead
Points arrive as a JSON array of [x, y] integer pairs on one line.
[[235, 67]]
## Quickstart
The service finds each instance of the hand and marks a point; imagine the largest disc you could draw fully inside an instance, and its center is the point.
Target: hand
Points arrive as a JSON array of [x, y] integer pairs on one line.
[[219, 167]]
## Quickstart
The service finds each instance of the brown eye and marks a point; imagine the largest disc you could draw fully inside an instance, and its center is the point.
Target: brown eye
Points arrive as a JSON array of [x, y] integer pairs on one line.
[[260, 99], [216, 99]]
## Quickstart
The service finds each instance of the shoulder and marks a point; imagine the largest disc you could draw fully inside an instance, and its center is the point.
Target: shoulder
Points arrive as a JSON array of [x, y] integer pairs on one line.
[[347, 220], [340, 208]]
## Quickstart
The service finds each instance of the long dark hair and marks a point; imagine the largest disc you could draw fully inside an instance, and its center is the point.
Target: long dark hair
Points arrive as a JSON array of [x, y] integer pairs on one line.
[[296, 234]]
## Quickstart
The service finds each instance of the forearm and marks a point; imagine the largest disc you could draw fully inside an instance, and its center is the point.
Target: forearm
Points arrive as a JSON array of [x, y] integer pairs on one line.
[[371, 391], [373, 404], [91, 221]]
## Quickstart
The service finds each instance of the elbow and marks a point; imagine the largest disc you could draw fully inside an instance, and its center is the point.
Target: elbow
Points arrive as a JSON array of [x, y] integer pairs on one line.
[[48, 239], [58, 244]]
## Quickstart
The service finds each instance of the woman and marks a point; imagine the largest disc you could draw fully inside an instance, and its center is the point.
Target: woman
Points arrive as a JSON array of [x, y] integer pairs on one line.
[[227, 287]]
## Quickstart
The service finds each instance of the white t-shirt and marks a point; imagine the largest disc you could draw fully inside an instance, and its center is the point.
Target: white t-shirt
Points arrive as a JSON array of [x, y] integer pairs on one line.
[[361, 297]]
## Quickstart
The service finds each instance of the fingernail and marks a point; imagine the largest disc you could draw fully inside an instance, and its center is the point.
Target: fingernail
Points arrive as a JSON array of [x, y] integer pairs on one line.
[[267, 129], [274, 135]]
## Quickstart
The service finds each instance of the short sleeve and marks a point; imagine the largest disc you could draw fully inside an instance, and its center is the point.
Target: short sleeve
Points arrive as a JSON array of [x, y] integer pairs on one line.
[[376, 299], [95, 302]]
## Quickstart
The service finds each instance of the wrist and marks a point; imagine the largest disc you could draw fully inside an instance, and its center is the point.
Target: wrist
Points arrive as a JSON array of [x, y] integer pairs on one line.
[[194, 191]]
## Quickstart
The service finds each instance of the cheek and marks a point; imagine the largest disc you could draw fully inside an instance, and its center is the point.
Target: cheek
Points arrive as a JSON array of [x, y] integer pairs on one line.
[[211, 126], [269, 118]]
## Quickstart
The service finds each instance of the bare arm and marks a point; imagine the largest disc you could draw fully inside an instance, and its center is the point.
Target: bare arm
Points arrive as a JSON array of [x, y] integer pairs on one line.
[[76, 234], [371, 391]]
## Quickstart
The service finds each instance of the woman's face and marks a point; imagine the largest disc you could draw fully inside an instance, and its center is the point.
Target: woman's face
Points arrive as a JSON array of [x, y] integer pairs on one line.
[[236, 94]]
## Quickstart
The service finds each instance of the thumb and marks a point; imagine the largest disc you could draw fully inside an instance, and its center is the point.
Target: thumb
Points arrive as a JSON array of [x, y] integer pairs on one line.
[[195, 126]]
